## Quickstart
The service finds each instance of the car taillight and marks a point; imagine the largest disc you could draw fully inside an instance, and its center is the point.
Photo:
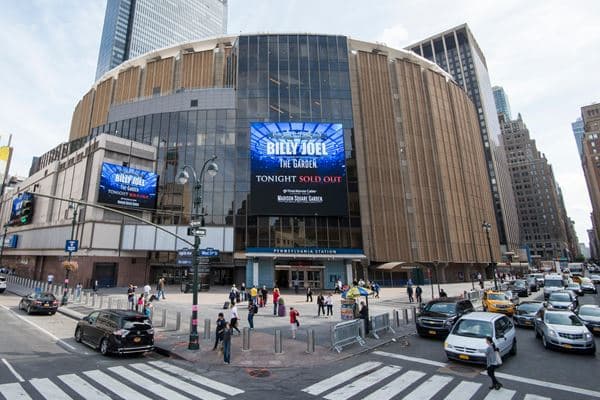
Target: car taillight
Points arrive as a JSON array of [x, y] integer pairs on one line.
[[121, 332], [55, 302]]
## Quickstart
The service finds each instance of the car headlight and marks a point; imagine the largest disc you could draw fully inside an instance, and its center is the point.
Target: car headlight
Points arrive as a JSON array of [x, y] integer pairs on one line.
[[481, 350], [150, 331], [448, 345], [449, 322], [588, 336], [552, 333], [419, 320]]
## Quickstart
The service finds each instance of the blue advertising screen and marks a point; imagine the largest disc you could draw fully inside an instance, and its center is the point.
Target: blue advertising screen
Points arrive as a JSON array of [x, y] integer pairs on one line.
[[127, 187], [297, 168]]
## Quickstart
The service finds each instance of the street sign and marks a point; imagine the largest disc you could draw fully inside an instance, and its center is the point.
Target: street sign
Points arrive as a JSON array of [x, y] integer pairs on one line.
[[185, 253], [71, 246], [209, 252], [184, 262]]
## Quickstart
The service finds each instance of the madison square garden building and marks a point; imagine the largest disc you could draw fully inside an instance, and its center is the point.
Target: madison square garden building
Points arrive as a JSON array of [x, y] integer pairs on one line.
[[337, 158]]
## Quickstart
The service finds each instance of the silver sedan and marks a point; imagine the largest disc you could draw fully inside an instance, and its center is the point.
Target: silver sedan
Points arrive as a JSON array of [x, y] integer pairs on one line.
[[564, 330]]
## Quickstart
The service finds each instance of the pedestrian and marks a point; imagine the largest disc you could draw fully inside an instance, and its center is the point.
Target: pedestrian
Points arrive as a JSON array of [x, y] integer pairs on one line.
[[419, 293], [147, 290], [275, 300], [78, 291], [364, 315], [161, 289], [253, 294], [232, 295], [443, 294], [148, 309], [243, 291], [493, 361], [376, 289], [265, 295], [329, 304], [252, 309], [140, 303], [131, 296], [309, 294], [50, 279], [320, 304], [294, 321], [296, 285], [95, 286], [233, 312], [219, 329], [409, 290], [227, 332]]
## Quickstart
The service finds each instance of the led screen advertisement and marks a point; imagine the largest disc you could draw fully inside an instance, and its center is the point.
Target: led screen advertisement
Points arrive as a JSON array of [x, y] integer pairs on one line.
[[127, 187], [297, 168]]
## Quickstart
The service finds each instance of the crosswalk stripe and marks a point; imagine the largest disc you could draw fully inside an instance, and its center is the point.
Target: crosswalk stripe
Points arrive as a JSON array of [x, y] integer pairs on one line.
[[83, 388], [358, 385], [464, 391], [396, 386], [114, 385], [535, 397], [338, 379], [49, 390], [175, 382], [13, 391], [429, 388], [502, 394], [156, 388], [182, 373]]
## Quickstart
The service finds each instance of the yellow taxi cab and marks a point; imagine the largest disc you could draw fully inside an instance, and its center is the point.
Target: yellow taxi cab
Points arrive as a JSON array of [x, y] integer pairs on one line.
[[498, 302]]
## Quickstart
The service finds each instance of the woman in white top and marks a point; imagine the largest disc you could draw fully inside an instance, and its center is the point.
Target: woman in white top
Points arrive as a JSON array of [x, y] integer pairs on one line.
[[233, 313], [329, 304]]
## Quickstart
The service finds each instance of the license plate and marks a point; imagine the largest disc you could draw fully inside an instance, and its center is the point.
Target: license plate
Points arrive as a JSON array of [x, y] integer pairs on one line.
[[567, 346], [596, 329], [46, 305], [463, 357], [137, 339], [527, 322], [432, 332]]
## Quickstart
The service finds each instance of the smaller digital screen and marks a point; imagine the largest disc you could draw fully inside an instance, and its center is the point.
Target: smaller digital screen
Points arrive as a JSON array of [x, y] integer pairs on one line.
[[127, 187]]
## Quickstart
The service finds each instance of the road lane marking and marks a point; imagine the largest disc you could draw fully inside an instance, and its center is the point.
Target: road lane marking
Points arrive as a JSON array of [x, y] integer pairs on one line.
[[49, 390], [14, 391], [356, 386], [175, 382], [464, 391], [429, 388], [83, 388], [114, 385], [56, 338], [340, 378], [11, 369], [396, 386], [408, 358], [502, 394], [191, 376], [535, 397], [154, 387]]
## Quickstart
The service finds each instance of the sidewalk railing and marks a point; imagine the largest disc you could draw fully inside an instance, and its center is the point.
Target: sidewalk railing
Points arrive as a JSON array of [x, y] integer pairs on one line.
[[381, 323], [346, 333]]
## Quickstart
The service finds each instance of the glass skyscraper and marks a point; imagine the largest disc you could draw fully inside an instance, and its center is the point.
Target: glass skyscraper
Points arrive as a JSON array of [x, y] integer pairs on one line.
[[501, 100], [134, 27], [578, 130]]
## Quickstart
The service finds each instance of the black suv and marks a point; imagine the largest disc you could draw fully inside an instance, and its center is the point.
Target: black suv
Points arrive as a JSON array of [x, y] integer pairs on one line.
[[521, 287], [116, 331], [438, 316]]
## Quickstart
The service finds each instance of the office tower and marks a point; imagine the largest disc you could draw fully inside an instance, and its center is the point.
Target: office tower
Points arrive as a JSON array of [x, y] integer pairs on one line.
[[501, 100], [577, 127], [457, 52], [542, 216], [135, 27], [591, 165]]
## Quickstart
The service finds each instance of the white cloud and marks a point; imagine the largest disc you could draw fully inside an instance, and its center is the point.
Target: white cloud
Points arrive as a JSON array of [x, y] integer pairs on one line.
[[395, 36]]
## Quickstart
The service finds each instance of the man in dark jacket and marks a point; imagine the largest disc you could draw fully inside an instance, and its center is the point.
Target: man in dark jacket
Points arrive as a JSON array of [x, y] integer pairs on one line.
[[364, 315], [220, 328]]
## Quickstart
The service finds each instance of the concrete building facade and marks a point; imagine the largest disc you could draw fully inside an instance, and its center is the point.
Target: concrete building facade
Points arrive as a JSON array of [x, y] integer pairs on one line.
[[591, 167]]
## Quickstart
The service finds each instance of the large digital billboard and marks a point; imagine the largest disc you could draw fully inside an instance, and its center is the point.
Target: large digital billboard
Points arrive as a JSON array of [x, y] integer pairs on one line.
[[297, 168], [127, 187]]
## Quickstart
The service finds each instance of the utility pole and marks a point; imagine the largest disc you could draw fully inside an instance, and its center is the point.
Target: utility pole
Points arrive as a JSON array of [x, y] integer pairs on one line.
[[65, 297]]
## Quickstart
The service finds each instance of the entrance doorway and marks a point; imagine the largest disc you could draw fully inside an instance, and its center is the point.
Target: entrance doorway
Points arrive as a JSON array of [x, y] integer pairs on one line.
[[305, 273], [105, 274]]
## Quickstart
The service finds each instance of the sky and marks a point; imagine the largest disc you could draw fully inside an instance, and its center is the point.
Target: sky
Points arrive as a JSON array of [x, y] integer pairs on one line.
[[544, 53]]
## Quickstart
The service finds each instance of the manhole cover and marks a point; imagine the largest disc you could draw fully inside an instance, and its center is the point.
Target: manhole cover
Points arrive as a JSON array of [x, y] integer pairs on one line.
[[462, 370], [259, 373]]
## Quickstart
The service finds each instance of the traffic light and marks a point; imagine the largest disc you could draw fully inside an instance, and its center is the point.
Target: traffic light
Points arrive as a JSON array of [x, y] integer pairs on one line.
[[26, 211]]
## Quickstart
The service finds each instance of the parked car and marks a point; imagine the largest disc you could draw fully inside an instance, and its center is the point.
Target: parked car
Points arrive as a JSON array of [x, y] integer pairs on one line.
[[493, 301], [534, 286], [563, 329], [116, 331], [466, 341], [590, 315], [438, 316], [525, 313], [588, 286], [520, 287], [39, 303], [562, 300], [575, 288], [539, 277], [2, 284]]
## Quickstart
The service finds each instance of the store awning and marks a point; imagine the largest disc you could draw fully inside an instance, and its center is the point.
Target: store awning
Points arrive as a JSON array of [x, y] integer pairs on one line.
[[307, 256], [397, 266]]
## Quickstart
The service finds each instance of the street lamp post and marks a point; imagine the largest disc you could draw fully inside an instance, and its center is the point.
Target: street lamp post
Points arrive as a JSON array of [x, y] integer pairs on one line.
[[65, 297], [197, 220], [487, 227], [3, 241]]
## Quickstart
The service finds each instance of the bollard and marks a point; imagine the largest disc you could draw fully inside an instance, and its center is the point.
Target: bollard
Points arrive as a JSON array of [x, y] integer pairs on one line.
[[178, 320], [414, 314], [405, 315], [93, 301], [206, 335], [361, 329], [86, 297], [163, 322], [278, 342], [100, 300], [310, 341], [397, 317], [245, 339]]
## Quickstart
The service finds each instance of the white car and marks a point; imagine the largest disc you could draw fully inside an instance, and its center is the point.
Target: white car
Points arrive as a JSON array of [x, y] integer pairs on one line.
[[2, 284], [466, 341]]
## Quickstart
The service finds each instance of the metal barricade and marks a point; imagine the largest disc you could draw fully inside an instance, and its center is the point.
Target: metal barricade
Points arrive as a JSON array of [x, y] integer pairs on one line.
[[380, 323], [346, 333]]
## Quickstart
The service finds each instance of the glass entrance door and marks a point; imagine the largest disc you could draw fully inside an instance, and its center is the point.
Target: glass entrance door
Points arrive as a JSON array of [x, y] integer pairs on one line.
[[298, 277], [313, 278]]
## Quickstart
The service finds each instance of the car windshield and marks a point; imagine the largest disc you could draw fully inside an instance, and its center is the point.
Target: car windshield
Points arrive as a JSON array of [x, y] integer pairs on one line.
[[497, 296], [590, 311], [530, 307], [573, 286], [553, 283], [563, 319], [44, 296], [560, 297], [586, 280], [444, 308], [473, 328], [519, 283], [140, 323]]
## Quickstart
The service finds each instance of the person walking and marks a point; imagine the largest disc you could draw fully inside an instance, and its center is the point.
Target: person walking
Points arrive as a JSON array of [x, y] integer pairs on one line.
[[409, 290], [329, 304], [253, 294], [243, 293], [296, 285], [227, 332], [364, 315], [275, 300], [232, 295], [419, 293], [147, 290], [78, 291], [493, 360], [95, 286], [376, 289], [264, 293], [131, 296], [234, 317], [219, 330], [443, 294], [320, 304], [140, 303], [161, 289], [294, 321], [309, 294], [252, 309], [50, 279]]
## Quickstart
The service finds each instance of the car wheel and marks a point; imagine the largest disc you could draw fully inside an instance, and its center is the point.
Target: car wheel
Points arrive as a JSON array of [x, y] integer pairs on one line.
[[78, 335], [537, 334], [28, 310], [592, 351], [545, 342], [104, 347], [513, 349], [20, 305]]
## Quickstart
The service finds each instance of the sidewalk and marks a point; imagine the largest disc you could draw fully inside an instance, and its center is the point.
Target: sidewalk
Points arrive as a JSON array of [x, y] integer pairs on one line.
[[173, 342]]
